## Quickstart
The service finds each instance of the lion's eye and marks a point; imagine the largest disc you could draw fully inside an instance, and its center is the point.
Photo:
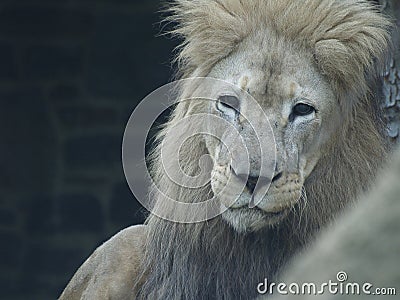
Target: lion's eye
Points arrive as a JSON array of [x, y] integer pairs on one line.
[[225, 103], [302, 109]]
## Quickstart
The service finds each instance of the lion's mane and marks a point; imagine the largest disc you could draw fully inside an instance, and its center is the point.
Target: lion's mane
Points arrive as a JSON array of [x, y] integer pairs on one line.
[[348, 39]]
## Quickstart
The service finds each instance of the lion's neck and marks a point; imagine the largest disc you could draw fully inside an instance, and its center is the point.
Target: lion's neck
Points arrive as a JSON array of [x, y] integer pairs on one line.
[[216, 262]]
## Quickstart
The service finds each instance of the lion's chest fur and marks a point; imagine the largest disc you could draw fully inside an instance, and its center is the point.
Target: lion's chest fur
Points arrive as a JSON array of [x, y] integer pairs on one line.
[[228, 266]]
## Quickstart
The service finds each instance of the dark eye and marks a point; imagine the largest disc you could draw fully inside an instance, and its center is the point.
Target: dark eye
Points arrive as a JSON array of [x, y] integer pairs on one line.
[[302, 109], [228, 103]]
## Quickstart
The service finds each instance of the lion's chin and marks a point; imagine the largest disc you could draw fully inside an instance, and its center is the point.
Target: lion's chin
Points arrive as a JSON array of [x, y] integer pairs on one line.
[[247, 219]]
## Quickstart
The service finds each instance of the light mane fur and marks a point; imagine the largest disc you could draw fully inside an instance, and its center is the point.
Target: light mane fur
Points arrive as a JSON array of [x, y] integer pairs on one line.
[[349, 40]]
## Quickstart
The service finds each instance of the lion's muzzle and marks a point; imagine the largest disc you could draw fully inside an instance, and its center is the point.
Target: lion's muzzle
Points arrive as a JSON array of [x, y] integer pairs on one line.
[[271, 196]]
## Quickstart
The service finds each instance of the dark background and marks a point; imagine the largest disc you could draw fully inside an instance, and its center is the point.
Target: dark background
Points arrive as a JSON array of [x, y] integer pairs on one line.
[[71, 72]]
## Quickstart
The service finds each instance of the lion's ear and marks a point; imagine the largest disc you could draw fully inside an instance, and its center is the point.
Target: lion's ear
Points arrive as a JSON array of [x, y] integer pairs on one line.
[[333, 58], [353, 48]]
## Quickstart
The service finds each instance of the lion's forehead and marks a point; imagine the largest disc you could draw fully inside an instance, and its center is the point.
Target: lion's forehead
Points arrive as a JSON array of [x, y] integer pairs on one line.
[[272, 76], [273, 86]]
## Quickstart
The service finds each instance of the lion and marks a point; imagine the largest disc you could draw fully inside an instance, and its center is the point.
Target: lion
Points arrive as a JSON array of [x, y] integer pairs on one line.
[[313, 67]]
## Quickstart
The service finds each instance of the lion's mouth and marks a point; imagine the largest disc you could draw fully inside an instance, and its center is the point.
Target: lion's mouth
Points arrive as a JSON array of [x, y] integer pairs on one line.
[[276, 215], [245, 219]]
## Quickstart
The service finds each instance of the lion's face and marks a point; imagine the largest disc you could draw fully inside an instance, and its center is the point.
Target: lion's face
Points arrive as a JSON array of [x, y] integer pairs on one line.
[[303, 113]]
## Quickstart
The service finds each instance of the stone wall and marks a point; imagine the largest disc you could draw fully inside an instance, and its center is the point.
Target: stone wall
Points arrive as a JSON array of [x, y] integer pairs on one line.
[[71, 73]]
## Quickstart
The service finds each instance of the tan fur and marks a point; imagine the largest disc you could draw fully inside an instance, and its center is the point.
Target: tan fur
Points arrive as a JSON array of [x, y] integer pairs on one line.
[[346, 41], [109, 273]]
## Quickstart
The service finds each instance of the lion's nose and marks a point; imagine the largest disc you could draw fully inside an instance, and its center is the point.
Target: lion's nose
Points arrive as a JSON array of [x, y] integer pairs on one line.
[[252, 182], [277, 176]]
